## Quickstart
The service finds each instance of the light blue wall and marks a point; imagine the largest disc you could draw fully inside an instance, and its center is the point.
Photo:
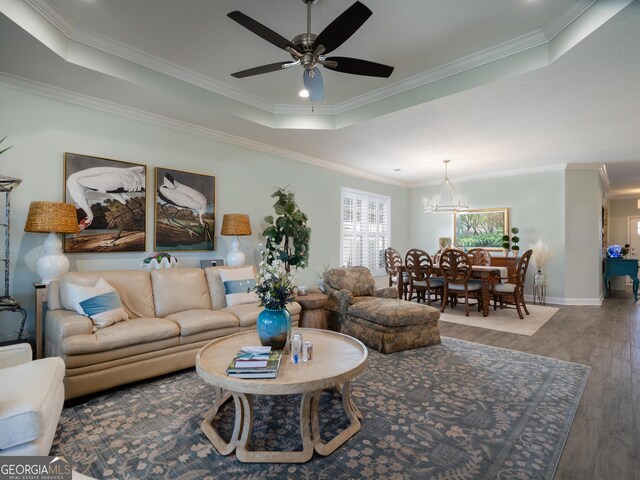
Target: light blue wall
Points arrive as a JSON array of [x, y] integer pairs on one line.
[[536, 205], [42, 129]]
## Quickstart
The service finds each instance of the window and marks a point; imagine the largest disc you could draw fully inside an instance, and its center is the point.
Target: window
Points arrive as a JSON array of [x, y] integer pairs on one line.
[[364, 229]]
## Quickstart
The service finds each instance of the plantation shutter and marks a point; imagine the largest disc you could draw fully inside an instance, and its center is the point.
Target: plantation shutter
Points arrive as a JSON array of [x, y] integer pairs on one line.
[[364, 230]]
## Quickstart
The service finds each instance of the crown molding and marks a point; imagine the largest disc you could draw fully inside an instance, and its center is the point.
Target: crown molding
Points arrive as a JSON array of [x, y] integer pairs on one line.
[[87, 101], [525, 42], [492, 175]]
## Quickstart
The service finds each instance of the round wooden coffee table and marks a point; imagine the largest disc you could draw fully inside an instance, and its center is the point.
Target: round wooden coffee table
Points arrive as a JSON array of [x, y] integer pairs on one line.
[[337, 359]]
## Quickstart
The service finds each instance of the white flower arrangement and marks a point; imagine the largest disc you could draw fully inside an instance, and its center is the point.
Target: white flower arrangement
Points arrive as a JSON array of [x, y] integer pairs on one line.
[[274, 286]]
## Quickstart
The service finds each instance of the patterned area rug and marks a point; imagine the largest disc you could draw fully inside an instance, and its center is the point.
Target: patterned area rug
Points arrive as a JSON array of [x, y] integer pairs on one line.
[[503, 320], [458, 410]]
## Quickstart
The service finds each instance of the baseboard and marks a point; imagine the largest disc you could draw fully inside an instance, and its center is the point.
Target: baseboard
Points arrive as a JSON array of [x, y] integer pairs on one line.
[[568, 301]]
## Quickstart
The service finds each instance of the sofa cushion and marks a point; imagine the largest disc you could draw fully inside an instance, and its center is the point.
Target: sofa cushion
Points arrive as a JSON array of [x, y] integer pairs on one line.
[[358, 280], [100, 303], [248, 313], [123, 334], [394, 313], [133, 287], [216, 288], [198, 321], [238, 286], [27, 407], [179, 289]]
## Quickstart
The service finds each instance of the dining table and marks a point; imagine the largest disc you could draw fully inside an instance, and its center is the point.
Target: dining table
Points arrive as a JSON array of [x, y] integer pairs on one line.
[[487, 274]]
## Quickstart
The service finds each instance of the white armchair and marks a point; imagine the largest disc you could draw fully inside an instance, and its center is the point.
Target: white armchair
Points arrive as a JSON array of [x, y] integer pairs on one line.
[[31, 398]]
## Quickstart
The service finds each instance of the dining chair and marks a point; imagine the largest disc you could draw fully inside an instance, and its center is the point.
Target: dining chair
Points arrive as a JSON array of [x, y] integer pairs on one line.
[[455, 269], [419, 266], [393, 267], [479, 256], [513, 293]]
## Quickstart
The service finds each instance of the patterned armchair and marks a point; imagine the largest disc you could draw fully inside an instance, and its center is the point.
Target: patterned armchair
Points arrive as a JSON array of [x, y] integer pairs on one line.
[[376, 316]]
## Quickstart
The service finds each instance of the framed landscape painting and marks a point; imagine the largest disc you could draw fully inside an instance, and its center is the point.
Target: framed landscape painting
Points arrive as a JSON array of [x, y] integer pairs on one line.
[[185, 211], [480, 228], [111, 204]]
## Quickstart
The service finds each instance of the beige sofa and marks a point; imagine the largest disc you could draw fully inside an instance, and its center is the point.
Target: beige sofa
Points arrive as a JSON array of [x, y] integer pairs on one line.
[[172, 314], [30, 401]]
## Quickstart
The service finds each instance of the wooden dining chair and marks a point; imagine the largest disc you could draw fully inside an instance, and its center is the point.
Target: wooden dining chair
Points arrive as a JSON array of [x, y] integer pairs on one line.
[[421, 280], [479, 256], [513, 293], [455, 269], [393, 267]]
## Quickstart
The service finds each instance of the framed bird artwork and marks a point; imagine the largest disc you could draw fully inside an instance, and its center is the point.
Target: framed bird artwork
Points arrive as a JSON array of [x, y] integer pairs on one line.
[[111, 204], [185, 211]]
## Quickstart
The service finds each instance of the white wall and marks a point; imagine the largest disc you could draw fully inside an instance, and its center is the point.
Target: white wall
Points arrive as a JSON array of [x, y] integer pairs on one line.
[[583, 224], [42, 129], [536, 206]]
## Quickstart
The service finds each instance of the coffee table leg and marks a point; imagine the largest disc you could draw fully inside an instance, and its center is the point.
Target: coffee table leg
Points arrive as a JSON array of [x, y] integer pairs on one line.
[[262, 456], [352, 413], [224, 448]]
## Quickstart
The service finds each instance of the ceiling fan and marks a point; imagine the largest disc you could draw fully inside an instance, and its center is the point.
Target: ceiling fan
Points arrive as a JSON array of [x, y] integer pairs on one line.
[[309, 50]]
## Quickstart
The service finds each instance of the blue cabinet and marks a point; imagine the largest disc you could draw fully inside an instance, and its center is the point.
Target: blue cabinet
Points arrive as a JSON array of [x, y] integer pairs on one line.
[[614, 267]]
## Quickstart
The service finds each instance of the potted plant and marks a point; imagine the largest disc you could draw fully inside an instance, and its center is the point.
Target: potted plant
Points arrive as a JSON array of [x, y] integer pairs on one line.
[[514, 240], [505, 245], [288, 234]]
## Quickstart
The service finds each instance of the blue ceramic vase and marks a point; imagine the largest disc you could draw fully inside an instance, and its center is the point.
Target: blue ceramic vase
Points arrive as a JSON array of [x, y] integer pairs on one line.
[[273, 328]]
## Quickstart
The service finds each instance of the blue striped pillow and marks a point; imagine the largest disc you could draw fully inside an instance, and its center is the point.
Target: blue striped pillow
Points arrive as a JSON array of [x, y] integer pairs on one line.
[[100, 303], [238, 285]]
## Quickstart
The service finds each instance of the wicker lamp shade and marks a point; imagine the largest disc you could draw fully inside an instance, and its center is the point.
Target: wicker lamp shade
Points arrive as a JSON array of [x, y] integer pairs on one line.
[[235, 224], [47, 217]]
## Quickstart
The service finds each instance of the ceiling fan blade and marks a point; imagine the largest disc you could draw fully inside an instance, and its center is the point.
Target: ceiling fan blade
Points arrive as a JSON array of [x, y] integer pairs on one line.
[[272, 67], [356, 66], [313, 84], [260, 30], [345, 25]]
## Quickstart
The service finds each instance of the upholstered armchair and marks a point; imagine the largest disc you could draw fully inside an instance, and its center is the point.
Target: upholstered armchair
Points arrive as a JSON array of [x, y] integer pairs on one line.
[[376, 316], [31, 401], [348, 286]]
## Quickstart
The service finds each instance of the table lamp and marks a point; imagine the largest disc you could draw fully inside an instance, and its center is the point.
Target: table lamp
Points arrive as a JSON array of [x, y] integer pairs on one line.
[[235, 224], [52, 218]]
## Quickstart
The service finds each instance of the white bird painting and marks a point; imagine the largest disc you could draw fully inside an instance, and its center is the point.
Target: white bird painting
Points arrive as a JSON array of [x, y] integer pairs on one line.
[[95, 185], [174, 196]]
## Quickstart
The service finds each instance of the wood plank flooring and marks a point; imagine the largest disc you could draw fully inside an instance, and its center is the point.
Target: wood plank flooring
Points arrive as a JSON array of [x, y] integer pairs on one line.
[[604, 442]]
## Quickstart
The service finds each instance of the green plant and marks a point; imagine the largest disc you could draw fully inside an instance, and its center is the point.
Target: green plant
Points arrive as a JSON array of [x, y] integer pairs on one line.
[[505, 242], [287, 235], [5, 149], [158, 256], [515, 239]]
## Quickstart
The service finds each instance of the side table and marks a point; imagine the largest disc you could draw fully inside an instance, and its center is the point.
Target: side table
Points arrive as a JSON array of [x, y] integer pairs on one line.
[[41, 299], [312, 314], [540, 294]]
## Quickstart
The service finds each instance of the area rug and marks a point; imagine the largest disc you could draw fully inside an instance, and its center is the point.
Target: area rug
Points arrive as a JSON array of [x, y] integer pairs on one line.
[[458, 410], [502, 319]]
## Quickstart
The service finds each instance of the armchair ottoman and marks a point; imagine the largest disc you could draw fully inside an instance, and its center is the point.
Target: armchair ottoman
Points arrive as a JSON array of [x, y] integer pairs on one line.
[[376, 316], [30, 401]]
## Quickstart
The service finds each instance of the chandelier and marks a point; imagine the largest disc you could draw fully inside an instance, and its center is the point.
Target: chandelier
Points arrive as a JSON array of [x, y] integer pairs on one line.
[[446, 200]]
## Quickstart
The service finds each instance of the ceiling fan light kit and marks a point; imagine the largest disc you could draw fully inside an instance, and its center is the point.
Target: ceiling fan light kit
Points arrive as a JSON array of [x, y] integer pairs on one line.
[[309, 50]]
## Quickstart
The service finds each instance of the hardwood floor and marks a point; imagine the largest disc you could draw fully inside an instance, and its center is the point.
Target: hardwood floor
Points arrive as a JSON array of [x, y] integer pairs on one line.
[[604, 442]]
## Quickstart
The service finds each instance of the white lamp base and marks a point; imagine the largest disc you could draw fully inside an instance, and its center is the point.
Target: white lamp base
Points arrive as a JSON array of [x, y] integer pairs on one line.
[[52, 264], [235, 257]]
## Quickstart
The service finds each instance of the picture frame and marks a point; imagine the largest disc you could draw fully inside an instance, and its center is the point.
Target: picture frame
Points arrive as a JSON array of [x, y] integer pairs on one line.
[[111, 204], [185, 217], [444, 242], [482, 228]]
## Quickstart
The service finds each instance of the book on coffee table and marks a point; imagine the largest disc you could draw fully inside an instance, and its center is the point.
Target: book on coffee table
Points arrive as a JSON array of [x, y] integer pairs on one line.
[[269, 370]]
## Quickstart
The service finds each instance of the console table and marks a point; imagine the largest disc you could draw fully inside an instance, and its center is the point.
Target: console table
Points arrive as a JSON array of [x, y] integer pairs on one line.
[[614, 267]]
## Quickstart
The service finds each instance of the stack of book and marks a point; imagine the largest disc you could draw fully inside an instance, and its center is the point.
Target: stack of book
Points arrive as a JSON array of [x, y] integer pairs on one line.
[[255, 362]]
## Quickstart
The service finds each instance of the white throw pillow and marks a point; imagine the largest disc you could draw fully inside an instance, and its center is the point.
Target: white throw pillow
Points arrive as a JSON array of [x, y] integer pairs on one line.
[[238, 285], [100, 303]]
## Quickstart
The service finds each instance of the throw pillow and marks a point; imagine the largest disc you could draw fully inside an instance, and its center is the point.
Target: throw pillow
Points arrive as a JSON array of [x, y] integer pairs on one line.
[[238, 285], [100, 303]]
